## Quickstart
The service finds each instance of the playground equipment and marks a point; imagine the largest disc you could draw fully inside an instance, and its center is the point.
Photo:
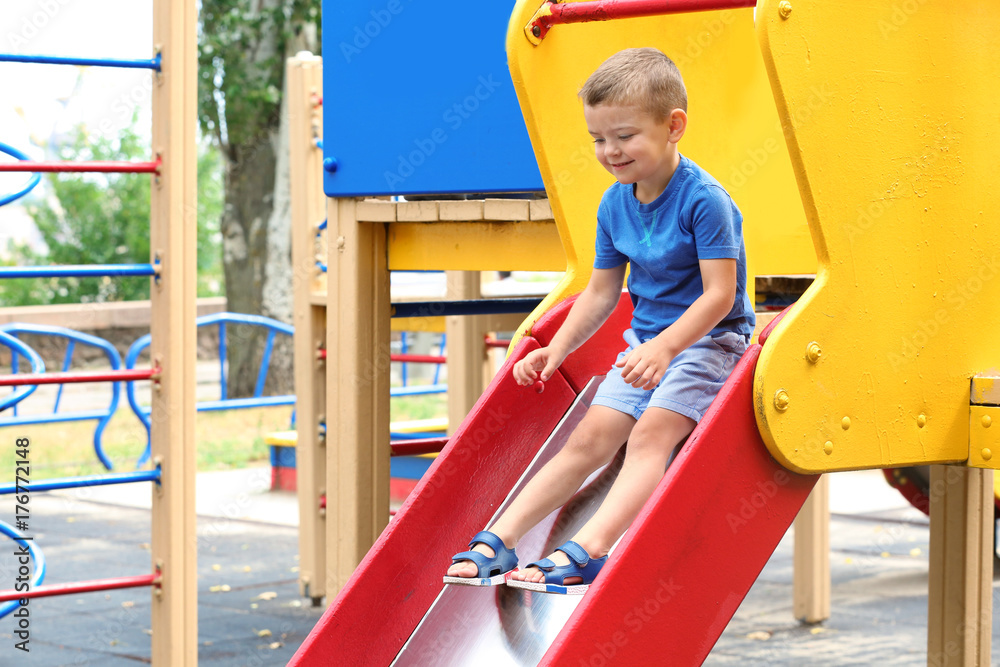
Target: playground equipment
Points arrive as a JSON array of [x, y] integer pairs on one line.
[[863, 373], [172, 268]]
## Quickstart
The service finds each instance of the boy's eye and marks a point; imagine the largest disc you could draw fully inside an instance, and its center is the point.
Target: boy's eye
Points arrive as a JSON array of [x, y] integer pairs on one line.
[[625, 137], [598, 141]]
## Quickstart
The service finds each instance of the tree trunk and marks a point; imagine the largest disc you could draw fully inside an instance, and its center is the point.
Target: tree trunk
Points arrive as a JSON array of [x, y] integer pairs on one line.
[[257, 259]]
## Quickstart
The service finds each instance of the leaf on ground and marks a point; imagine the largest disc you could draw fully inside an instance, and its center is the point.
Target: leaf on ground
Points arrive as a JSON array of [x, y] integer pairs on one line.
[[915, 552], [266, 595], [128, 604], [246, 568], [275, 645], [818, 630], [263, 633], [216, 567], [222, 588], [759, 635]]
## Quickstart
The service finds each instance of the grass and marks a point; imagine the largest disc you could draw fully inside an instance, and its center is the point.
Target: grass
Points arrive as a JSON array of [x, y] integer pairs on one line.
[[224, 440]]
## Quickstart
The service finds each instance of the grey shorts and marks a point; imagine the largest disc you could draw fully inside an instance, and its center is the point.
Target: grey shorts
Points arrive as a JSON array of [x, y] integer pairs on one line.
[[690, 384]]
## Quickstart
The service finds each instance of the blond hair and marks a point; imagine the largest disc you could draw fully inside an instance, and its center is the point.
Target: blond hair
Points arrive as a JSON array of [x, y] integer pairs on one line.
[[643, 77]]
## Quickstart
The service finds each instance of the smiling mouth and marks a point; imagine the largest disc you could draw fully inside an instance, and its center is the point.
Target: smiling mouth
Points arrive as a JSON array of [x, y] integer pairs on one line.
[[622, 164]]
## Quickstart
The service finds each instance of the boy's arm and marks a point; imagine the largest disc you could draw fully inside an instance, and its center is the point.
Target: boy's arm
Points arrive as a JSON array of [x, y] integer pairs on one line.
[[645, 366], [592, 309]]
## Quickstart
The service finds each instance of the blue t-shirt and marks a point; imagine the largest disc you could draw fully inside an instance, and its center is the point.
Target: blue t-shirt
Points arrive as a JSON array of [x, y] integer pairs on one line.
[[694, 218]]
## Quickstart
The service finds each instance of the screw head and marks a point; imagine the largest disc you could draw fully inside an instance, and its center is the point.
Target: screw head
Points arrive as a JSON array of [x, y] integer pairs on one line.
[[987, 454], [845, 423], [536, 30], [781, 400], [828, 447], [330, 164], [813, 352], [784, 9], [987, 421], [921, 421]]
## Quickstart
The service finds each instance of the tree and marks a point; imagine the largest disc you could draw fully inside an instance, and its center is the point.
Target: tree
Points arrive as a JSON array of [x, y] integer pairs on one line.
[[243, 45], [104, 219]]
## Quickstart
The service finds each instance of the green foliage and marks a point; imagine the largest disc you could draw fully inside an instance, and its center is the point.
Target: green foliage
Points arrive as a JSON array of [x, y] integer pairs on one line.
[[104, 219], [241, 65]]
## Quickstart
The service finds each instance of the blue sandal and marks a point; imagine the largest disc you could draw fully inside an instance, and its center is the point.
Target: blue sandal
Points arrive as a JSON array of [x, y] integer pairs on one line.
[[580, 565], [492, 571]]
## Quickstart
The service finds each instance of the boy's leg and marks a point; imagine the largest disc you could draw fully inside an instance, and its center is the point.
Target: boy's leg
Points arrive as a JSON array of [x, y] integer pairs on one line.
[[593, 443], [652, 440]]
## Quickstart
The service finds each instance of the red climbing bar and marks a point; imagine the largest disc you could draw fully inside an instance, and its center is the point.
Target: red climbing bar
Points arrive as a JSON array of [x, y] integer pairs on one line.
[[494, 342], [82, 587], [418, 446], [551, 14], [22, 379], [418, 358], [112, 167]]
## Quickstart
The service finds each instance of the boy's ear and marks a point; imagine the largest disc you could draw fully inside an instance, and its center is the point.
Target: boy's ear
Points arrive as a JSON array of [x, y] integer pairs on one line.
[[678, 124]]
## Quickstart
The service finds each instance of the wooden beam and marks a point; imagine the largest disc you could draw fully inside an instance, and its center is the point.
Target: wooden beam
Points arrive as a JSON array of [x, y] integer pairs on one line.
[[357, 390], [811, 570], [475, 246], [173, 234], [308, 207], [466, 351], [960, 573]]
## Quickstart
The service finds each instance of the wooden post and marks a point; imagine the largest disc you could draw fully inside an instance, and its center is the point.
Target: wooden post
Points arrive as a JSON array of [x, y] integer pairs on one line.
[[466, 351], [960, 576], [811, 570], [305, 89], [357, 389], [173, 221]]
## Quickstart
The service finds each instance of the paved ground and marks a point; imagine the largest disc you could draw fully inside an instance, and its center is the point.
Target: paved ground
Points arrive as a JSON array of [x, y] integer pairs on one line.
[[250, 612]]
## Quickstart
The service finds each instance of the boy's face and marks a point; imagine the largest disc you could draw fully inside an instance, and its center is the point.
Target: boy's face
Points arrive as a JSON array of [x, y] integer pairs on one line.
[[635, 147]]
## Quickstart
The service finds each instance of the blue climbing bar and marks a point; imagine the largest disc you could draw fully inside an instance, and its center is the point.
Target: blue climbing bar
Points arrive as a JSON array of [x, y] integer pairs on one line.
[[78, 482], [78, 271], [151, 63], [466, 307]]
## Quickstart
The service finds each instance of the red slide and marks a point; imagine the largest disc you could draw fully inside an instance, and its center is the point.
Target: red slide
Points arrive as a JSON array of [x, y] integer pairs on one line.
[[669, 589]]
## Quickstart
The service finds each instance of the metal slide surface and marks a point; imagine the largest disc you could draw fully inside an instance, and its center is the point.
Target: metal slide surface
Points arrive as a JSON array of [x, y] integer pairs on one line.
[[503, 626]]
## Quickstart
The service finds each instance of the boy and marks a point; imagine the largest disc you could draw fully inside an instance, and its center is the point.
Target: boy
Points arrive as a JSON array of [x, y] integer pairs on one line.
[[681, 234]]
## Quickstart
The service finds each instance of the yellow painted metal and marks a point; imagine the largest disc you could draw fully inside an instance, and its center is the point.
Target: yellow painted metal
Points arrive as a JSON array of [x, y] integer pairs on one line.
[[984, 436], [733, 129], [475, 246], [891, 124], [431, 324]]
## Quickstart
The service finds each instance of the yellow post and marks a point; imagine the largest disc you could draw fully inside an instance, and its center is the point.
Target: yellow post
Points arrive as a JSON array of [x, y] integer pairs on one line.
[[811, 573], [358, 389], [173, 246], [308, 207]]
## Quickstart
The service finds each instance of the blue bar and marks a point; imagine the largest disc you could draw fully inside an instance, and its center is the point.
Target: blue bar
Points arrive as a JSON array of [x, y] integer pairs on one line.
[[264, 363], [89, 480], [77, 271], [468, 307], [152, 63], [49, 418], [70, 346], [237, 403], [223, 391], [404, 348], [36, 555], [393, 435], [32, 182], [419, 390]]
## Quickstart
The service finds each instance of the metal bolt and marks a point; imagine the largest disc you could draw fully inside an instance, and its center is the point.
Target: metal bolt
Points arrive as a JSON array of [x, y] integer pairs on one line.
[[845, 423], [536, 30], [828, 447], [987, 421], [784, 9], [922, 421], [813, 352], [987, 454], [781, 400]]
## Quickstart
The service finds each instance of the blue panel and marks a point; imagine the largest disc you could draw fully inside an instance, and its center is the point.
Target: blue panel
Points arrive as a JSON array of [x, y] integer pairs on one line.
[[409, 467], [417, 99], [282, 456]]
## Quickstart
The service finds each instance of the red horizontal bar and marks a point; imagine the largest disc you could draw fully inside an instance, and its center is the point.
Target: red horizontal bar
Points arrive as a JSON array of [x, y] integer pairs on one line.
[[551, 14], [82, 587], [84, 167], [418, 446], [419, 358], [22, 379], [494, 342]]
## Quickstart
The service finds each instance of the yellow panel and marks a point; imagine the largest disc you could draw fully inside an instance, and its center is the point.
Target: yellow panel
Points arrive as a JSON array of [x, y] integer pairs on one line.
[[475, 246], [433, 324], [892, 126], [733, 130]]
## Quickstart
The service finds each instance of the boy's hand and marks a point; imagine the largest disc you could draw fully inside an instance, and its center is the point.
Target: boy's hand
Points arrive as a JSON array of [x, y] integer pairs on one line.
[[644, 366], [541, 361]]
